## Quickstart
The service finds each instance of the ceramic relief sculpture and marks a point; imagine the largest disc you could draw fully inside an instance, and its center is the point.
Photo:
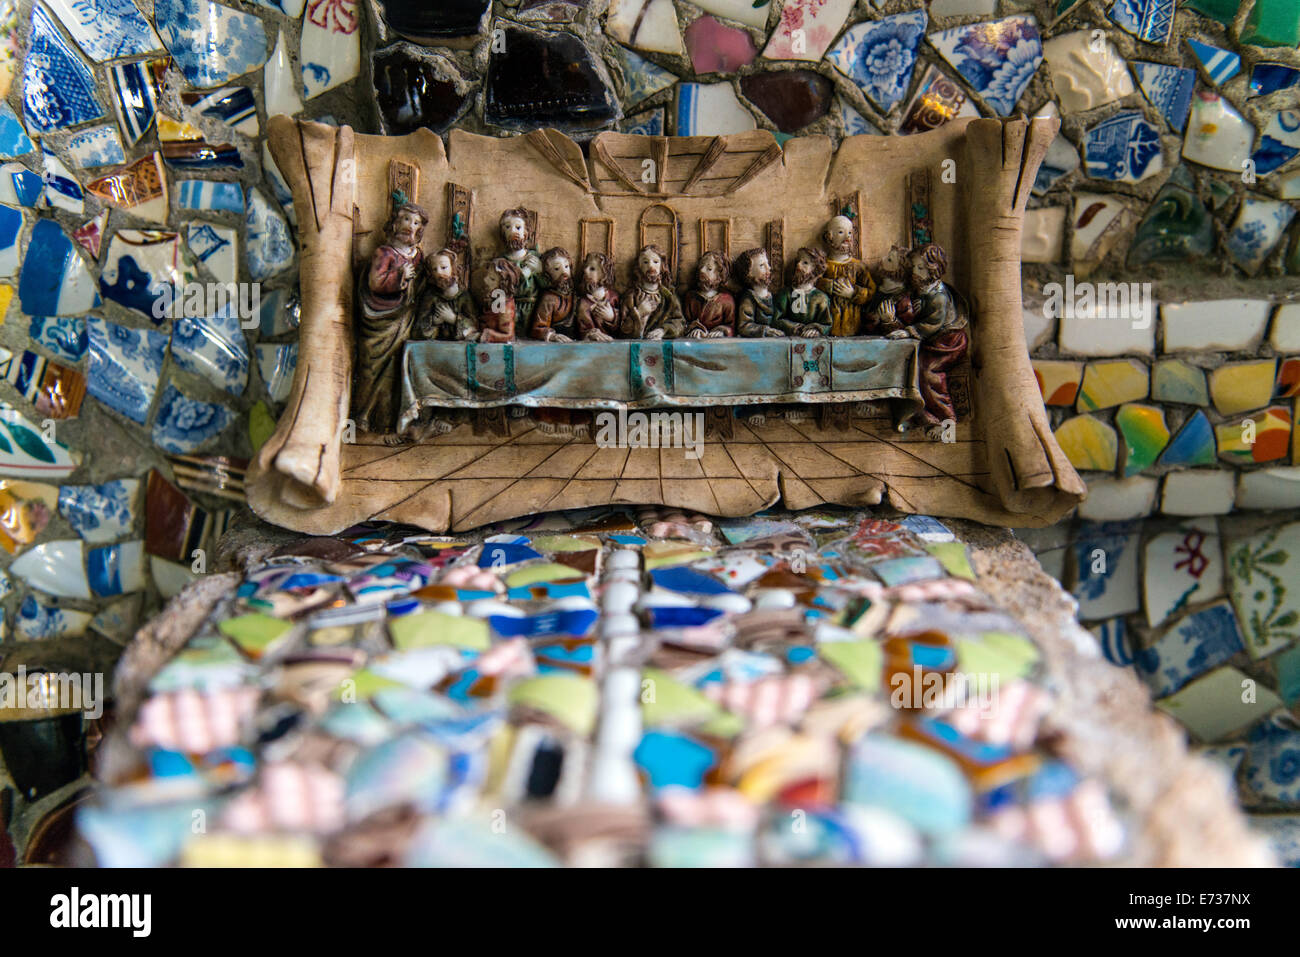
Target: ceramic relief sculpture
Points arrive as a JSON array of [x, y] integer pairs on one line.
[[850, 335]]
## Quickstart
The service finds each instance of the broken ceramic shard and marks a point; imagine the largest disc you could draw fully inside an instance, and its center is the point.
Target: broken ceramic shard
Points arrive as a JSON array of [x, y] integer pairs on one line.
[[416, 88], [543, 78]]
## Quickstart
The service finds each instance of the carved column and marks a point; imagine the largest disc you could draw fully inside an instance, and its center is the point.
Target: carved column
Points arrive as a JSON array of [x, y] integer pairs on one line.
[[302, 457], [1029, 470]]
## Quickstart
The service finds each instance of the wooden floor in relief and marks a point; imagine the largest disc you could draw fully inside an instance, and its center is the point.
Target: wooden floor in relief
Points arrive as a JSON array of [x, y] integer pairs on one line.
[[462, 480]]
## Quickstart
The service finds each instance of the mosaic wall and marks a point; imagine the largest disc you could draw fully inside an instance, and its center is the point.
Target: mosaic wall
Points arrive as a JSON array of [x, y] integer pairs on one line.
[[135, 177]]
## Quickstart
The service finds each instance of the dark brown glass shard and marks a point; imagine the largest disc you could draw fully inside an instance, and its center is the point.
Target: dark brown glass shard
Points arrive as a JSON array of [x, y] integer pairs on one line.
[[417, 89], [421, 20], [546, 79], [791, 99]]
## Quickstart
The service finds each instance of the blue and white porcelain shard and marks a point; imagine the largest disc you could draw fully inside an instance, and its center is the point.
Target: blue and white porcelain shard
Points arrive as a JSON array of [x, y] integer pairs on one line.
[[65, 336], [62, 191], [183, 425], [101, 513], [14, 140], [280, 82], [190, 28], [232, 105], [268, 248], [1124, 148], [1268, 78], [116, 569], [11, 229], [124, 366], [214, 348], [711, 109], [55, 280], [997, 58], [642, 78], [1168, 89], [1061, 159], [1258, 229], [855, 124], [205, 194], [649, 123], [19, 186], [1217, 64], [136, 98], [216, 248], [276, 362], [58, 87], [330, 45], [144, 270], [107, 29], [279, 188], [97, 146], [36, 620], [1149, 20], [1198, 642], [26, 453], [1268, 770], [279, 313], [55, 568], [880, 55], [290, 8], [1279, 143]]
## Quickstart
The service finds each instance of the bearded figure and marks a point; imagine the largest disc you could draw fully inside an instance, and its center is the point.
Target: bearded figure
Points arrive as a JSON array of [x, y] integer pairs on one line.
[[447, 308], [554, 319], [387, 293], [801, 308], [891, 294], [709, 309], [934, 315], [650, 308], [514, 239]]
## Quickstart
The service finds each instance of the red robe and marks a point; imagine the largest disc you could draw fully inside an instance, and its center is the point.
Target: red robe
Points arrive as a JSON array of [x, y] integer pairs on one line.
[[709, 315], [498, 326], [586, 319]]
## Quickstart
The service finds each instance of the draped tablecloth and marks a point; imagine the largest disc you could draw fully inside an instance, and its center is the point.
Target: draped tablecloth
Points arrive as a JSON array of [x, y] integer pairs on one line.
[[640, 374]]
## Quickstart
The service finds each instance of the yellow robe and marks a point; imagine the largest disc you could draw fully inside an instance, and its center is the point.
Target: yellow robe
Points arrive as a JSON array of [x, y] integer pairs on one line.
[[846, 314]]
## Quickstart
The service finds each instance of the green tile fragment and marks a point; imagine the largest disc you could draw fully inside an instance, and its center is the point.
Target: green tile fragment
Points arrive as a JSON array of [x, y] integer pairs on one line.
[[426, 629], [570, 699], [254, 633]]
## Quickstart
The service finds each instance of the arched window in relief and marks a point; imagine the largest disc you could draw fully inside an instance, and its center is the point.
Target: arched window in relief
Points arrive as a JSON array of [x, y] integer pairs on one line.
[[659, 225]]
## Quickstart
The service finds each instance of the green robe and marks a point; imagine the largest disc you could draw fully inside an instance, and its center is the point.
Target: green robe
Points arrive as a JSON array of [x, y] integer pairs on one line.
[[794, 311]]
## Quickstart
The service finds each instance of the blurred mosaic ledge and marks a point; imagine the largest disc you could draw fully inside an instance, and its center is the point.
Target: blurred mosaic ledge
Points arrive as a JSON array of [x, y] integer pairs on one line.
[[635, 687]]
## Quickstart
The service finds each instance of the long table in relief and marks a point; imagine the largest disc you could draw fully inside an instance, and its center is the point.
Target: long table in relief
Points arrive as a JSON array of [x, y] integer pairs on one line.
[[645, 374]]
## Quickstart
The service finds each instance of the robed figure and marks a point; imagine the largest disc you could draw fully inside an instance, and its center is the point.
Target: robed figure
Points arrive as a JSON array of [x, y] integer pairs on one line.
[[386, 297]]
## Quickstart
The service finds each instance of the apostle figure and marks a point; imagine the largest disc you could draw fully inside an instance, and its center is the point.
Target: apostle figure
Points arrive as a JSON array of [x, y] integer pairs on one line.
[[846, 280], [801, 308], [387, 294], [650, 308], [891, 291], [709, 309], [514, 237], [496, 320], [447, 309], [597, 307], [932, 314], [756, 314], [554, 319]]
